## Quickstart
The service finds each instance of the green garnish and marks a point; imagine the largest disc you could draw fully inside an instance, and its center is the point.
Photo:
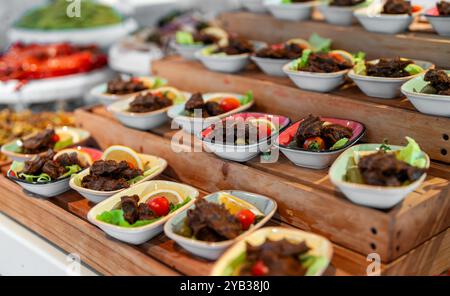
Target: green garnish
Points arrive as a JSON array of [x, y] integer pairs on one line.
[[414, 69], [184, 38], [302, 61], [339, 144], [318, 43], [247, 98], [158, 82], [385, 147], [314, 146], [63, 144], [412, 154]]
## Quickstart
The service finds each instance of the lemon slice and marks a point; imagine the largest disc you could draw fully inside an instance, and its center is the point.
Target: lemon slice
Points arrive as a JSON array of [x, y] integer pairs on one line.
[[302, 42], [264, 121], [147, 82], [217, 32], [172, 196], [84, 157], [67, 134], [345, 54], [172, 92], [119, 153], [234, 204]]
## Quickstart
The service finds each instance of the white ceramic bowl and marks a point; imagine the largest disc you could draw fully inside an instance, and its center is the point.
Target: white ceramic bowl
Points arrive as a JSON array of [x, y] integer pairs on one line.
[[256, 6], [319, 245], [337, 15], [212, 250], [440, 23], [381, 197], [315, 159], [290, 12], [99, 92], [196, 125], [139, 235], [224, 63], [426, 103], [187, 51], [272, 67], [141, 121], [153, 166], [46, 190], [320, 82], [384, 23], [383, 87], [9, 149]]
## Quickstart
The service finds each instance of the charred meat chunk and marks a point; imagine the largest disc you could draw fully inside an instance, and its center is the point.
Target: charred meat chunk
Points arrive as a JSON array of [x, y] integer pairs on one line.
[[388, 68], [119, 86], [384, 169], [67, 159], [332, 133], [129, 205], [397, 7], [325, 63], [213, 108], [145, 213], [281, 257], [286, 51], [53, 169], [212, 222], [206, 39], [195, 102], [149, 102], [439, 80], [109, 175], [39, 143], [207, 109], [236, 45], [34, 165], [235, 132], [444, 8], [311, 126], [345, 2]]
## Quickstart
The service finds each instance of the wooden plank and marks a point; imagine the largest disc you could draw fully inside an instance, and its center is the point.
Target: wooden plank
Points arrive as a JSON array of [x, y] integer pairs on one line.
[[351, 225], [381, 121], [76, 236], [354, 38]]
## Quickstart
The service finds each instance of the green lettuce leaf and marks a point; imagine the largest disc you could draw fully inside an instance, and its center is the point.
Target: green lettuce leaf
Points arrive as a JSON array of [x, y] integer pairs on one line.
[[339, 144], [72, 169], [63, 144], [412, 154], [302, 61], [414, 69], [230, 269], [158, 82], [319, 44], [184, 38], [247, 98], [42, 178]]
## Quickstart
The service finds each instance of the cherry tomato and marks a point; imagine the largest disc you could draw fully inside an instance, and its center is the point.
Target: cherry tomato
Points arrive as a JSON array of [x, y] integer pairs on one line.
[[55, 138], [416, 8], [277, 46], [159, 205], [228, 104], [259, 268], [246, 217], [314, 144]]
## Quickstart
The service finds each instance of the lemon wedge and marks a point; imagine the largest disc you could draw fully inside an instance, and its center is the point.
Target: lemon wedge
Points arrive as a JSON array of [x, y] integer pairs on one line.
[[264, 121], [299, 41], [171, 92], [345, 54], [172, 196], [119, 153], [234, 204], [83, 157], [217, 32]]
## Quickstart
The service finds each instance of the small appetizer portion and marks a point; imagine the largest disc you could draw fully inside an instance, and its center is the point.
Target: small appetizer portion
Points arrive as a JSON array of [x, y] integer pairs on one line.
[[276, 251], [214, 106], [236, 45], [430, 93], [439, 17], [390, 16], [120, 86], [319, 71], [315, 142], [314, 134], [380, 175], [272, 58], [209, 226], [137, 214], [291, 10], [383, 78], [48, 174], [340, 12], [149, 102], [243, 136], [132, 212], [120, 168]]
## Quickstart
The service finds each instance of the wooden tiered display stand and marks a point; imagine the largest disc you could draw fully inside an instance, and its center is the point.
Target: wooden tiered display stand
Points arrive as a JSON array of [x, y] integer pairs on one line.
[[412, 238]]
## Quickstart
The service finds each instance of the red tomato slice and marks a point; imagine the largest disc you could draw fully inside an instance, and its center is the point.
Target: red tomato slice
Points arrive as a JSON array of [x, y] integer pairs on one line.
[[228, 104], [246, 217], [159, 205]]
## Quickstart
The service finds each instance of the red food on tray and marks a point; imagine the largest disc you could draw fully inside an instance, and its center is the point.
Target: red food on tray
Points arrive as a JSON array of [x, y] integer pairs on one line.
[[36, 61]]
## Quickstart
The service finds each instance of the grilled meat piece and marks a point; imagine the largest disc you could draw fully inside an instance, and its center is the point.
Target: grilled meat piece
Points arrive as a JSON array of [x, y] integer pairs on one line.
[[129, 205], [212, 222], [108, 167], [149, 102], [397, 7], [213, 108], [236, 45], [325, 63], [100, 183], [287, 51], [439, 80], [334, 132], [39, 143], [206, 39], [53, 169], [119, 86], [67, 159], [281, 258], [195, 102], [145, 213], [384, 169], [232, 130], [388, 68], [34, 165], [346, 2], [444, 8], [311, 126]]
